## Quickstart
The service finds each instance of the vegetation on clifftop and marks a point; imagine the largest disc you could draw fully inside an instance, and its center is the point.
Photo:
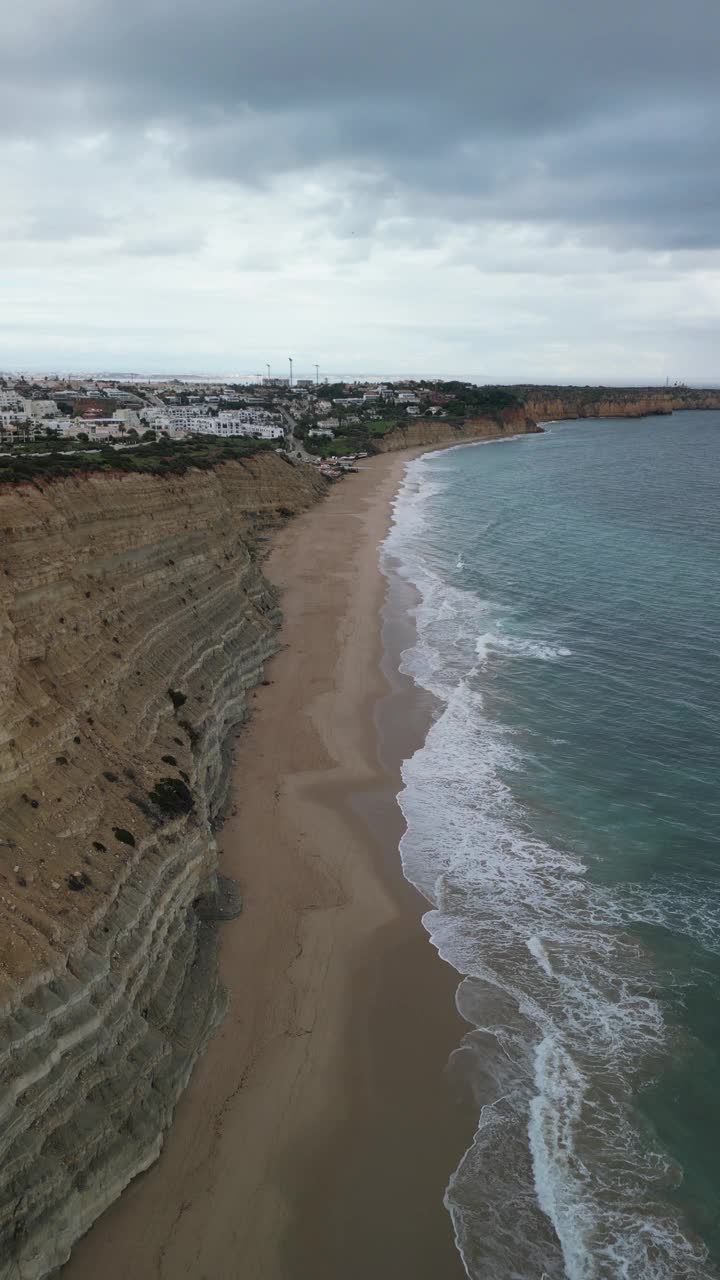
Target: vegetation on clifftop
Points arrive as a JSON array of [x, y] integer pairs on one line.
[[360, 426], [587, 394], [52, 459]]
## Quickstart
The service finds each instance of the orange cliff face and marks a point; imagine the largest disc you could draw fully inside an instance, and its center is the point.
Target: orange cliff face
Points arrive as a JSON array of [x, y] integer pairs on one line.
[[418, 432], [133, 620], [687, 398], [546, 404], [545, 409]]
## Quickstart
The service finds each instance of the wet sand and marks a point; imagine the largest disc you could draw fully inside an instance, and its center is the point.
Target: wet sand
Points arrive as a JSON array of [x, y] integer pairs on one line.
[[318, 1132]]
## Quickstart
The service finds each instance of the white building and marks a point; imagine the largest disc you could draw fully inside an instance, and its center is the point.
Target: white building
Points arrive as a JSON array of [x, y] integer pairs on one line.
[[186, 415], [128, 420], [240, 422], [316, 432], [40, 408], [10, 400], [156, 418], [177, 420], [261, 417], [94, 428]]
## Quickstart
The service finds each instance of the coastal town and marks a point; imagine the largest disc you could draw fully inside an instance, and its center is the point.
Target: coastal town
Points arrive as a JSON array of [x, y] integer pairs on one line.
[[330, 425], [52, 425]]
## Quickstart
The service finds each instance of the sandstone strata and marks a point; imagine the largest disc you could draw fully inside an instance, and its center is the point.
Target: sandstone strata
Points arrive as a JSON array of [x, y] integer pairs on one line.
[[695, 398], [133, 621], [430, 431], [546, 404]]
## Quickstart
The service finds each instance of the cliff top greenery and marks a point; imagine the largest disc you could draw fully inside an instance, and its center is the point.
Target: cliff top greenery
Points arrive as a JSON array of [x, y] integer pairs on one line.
[[589, 394], [52, 459], [456, 400]]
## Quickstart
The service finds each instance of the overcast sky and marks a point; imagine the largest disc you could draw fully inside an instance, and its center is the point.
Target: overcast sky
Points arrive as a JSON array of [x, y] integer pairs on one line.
[[502, 189]]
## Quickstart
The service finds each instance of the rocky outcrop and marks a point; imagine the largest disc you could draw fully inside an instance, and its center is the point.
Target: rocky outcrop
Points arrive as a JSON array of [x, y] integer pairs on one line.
[[546, 404], [444, 431], [691, 398], [576, 404], [133, 621]]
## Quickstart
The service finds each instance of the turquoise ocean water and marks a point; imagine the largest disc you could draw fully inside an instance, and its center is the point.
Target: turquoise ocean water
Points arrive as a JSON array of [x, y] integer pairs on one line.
[[563, 822]]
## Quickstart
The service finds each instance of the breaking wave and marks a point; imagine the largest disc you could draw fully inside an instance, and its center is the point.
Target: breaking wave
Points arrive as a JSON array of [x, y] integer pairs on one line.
[[561, 1178]]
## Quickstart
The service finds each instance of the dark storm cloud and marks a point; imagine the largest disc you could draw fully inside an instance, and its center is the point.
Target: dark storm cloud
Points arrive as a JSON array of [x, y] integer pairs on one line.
[[602, 118]]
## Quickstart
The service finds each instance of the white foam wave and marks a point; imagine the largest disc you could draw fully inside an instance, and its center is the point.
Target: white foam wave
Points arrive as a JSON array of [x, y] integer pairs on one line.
[[579, 1020], [519, 647], [536, 947]]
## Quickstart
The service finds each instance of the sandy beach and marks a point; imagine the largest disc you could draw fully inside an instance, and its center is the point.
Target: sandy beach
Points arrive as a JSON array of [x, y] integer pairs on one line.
[[318, 1132]]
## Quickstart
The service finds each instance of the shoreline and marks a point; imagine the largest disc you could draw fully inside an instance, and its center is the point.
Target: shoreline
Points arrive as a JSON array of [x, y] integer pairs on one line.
[[316, 1136]]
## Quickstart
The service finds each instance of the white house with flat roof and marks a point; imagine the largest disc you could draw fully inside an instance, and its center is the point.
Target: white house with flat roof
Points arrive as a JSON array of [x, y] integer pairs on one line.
[[40, 408], [127, 420], [237, 424]]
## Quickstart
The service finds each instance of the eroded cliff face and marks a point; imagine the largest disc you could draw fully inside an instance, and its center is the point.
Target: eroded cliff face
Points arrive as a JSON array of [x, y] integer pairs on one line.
[[545, 405], [133, 620], [575, 406], [692, 398], [430, 431]]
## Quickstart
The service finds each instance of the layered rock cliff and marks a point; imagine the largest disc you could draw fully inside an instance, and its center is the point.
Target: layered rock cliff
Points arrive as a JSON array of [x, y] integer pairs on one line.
[[442, 431], [695, 398], [546, 404], [576, 404], [133, 620]]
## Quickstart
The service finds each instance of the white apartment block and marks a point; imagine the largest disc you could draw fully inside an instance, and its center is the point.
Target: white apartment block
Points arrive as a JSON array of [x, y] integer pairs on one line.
[[40, 408], [239, 423], [93, 428], [185, 415], [251, 417], [158, 419], [11, 406], [127, 419]]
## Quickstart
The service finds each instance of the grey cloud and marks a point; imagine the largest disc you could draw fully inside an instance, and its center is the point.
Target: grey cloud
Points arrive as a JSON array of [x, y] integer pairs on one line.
[[162, 246], [601, 118], [62, 223]]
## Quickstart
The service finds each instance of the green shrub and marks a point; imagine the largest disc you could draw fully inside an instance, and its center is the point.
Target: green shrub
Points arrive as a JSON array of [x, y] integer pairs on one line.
[[125, 837], [172, 796], [191, 731]]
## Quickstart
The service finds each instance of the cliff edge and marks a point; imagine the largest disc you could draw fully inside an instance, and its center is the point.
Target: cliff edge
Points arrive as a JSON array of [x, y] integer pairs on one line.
[[418, 432], [554, 403], [133, 620]]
